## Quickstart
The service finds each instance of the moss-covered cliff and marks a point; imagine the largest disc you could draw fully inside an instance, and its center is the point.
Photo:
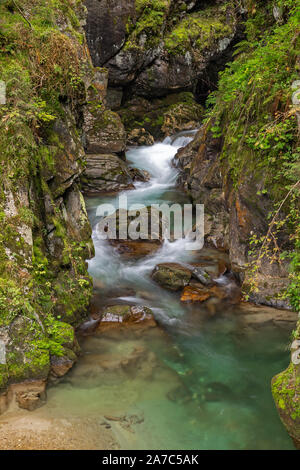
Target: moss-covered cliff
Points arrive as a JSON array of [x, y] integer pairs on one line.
[[154, 49], [44, 230]]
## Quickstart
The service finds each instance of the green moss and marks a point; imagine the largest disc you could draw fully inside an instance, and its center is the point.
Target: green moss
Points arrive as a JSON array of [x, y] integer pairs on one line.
[[199, 31], [151, 16], [180, 107], [285, 387], [42, 67], [251, 110]]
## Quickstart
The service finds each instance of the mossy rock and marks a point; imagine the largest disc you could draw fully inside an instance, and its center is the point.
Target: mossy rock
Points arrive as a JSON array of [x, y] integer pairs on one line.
[[171, 276], [163, 116], [285, 390]]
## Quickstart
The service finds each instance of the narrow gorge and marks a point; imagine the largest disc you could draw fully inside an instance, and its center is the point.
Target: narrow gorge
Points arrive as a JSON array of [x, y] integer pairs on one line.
[[114, 344]]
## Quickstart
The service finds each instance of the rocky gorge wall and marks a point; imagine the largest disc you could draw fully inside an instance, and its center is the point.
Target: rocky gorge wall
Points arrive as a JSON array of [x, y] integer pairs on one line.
[[158, 53], [64, 128], [45, 129], [243, 165]]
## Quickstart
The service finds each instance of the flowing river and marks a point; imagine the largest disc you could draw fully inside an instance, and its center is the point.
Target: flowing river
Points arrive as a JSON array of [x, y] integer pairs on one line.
[[197, 382]]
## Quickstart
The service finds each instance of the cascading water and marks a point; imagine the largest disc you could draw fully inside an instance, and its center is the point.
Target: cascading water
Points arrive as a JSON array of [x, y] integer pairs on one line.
[[225, 379], [195, 383]]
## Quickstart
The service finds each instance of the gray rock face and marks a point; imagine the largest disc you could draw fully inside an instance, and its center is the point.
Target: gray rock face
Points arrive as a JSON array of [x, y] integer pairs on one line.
[[105, 172], [142, 45], [106, 27]]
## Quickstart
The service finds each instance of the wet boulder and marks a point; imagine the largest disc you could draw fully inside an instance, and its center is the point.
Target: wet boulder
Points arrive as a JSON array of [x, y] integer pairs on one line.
[[197, 292], [172, 276], [218, 391], [30, 395], [202, 275], [139, 175]]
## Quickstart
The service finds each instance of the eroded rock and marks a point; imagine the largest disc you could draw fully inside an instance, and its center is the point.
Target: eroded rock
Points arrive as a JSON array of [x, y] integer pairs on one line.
[[30, 395]]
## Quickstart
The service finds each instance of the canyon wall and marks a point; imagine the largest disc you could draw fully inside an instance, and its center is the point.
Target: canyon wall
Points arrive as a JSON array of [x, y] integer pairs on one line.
[[143, 70]]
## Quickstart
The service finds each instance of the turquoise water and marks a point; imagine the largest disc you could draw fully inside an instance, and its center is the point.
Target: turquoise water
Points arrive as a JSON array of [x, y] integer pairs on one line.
[[196, 382], [210, 383]]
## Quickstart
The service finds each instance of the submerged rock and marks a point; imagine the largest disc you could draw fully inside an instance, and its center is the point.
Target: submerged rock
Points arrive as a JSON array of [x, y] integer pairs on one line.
[[117, 316], [135, 249], [218, 391], [180, 395]]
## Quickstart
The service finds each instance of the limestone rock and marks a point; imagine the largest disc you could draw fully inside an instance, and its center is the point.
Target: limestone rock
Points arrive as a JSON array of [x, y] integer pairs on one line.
[[258, 316]]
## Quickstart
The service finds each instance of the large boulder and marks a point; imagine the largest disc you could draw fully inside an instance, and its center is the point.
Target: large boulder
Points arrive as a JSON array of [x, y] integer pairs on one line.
[[104, 131], [135, 225]]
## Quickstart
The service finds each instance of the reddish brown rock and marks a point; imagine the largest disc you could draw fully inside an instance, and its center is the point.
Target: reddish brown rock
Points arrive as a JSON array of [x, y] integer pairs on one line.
[[195, 294], [135, 249]]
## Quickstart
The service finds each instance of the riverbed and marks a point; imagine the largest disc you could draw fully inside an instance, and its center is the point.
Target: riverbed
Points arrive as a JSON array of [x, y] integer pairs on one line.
[[198, 381]]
